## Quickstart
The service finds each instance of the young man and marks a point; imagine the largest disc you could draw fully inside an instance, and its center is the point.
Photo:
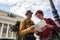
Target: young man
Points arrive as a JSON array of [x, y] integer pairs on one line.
[[25, 27]]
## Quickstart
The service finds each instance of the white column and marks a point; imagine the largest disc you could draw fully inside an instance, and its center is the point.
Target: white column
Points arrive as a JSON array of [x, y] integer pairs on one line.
[[12, 34], [2, 30], [7, 30]]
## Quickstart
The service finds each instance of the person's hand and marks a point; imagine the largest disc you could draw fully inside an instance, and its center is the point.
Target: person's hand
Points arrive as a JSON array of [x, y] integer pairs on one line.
[[32, 29], [36, 32], [49, 26]]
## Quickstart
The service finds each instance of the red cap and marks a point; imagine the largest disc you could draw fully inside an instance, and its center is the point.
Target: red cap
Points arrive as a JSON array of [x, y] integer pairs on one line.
[[39, 12]]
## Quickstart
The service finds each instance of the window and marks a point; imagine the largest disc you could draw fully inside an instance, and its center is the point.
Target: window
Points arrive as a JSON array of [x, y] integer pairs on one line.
[[10, 32], [0, 24], [4, 30]]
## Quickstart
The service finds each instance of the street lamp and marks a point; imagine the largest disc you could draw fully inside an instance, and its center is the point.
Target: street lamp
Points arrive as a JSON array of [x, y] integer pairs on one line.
[[55, 14]]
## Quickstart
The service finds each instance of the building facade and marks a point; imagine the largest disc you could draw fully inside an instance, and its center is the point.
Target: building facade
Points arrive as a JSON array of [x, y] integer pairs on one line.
[[7, 20]]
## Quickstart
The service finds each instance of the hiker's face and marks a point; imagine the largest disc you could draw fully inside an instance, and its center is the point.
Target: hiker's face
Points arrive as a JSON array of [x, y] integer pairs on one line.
[[29, 15], [40, 16]]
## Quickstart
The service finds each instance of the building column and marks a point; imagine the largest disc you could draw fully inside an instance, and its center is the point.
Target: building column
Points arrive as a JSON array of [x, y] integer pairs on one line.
[[12, 35], [7, 30], [2, 30]]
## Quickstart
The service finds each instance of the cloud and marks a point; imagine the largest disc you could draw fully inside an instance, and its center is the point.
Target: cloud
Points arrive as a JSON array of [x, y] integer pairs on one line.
[[19, 7], [8, 1], [33, 5], [57, 2]]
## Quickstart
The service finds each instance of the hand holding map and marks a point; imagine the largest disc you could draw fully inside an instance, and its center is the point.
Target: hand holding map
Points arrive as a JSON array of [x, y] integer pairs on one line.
[[40, 25]]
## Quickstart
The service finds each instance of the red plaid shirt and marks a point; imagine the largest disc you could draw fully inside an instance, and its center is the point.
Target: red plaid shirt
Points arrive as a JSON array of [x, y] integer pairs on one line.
[[46, 31]]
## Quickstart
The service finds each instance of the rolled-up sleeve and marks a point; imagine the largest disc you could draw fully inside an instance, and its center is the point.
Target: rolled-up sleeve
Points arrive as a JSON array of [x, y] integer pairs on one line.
[[23, 31]]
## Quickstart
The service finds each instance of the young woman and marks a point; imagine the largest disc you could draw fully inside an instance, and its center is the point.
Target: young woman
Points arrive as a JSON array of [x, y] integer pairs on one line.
[[46, 30]]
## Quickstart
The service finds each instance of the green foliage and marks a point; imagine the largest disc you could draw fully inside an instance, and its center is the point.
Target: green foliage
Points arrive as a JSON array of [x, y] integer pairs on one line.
[[11, 15]]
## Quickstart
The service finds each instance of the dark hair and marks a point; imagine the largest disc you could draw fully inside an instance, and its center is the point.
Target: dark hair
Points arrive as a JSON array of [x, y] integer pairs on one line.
[[15, 28], [28, 12], [39, 12]]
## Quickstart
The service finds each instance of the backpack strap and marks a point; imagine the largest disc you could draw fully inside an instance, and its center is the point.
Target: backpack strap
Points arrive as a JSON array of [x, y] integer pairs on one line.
[[24, 24], [49, 20]]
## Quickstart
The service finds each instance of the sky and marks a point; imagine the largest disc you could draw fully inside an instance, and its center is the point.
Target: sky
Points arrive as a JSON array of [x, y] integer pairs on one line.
[[20, 7]]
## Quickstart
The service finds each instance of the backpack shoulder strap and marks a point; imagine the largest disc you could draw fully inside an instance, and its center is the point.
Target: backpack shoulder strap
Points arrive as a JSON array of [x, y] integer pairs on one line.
[[24, 24], [49, 20]]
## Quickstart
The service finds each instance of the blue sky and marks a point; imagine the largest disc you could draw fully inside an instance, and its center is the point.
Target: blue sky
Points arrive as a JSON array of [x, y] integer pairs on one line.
[[4, 7], [20, 7]]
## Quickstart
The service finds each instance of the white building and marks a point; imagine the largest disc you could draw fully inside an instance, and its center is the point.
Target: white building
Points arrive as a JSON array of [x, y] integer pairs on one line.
[[6, 21]]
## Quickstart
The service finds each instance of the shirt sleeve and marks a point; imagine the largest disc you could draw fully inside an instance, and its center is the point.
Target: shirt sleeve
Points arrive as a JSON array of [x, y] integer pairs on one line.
[[54, 24], [22, 30]]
